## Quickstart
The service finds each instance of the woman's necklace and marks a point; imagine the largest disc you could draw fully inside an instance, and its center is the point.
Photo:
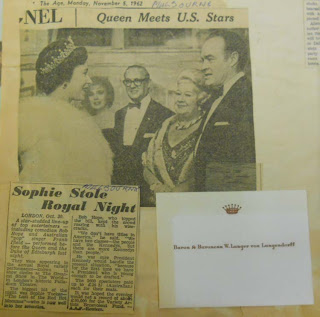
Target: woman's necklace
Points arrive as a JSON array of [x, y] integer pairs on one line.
[[187, 125]]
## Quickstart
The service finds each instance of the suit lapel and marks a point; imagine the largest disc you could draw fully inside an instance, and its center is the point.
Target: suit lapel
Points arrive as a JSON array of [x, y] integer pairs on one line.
[[222, 106], [225, 102], [120, 123]]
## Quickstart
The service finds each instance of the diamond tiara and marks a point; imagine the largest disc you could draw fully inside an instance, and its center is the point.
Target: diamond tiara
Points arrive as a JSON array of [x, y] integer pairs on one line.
[[56, 61]]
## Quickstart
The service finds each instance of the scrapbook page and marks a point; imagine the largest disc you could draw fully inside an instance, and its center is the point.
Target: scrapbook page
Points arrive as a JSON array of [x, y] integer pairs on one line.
[[171, 96]]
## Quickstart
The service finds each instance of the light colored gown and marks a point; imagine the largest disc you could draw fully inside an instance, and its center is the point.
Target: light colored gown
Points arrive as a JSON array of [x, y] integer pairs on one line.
[[58, 143]]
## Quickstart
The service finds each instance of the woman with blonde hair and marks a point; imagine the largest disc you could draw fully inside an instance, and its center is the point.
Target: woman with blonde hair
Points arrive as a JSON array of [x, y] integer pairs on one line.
[[99, 100]]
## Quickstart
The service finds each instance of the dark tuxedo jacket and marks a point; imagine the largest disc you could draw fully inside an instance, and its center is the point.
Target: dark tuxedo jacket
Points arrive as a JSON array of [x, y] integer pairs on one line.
[[225, 156], [128, 168]]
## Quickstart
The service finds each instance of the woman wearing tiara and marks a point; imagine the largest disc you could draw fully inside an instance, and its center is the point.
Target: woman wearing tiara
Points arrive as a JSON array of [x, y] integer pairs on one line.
[[57, 141], [169, 159]]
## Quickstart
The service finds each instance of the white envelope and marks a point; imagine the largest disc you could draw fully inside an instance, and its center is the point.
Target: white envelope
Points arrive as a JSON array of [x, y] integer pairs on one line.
[[255, 252]]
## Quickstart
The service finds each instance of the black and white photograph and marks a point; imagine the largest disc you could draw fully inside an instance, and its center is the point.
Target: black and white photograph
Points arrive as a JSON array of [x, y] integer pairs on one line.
[[169, 110]]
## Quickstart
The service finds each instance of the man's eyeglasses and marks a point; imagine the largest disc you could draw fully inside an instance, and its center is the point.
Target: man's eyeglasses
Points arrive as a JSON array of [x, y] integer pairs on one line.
[[137, 82]]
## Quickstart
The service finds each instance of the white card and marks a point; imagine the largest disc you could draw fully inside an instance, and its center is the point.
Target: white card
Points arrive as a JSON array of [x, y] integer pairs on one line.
[[255, 252]]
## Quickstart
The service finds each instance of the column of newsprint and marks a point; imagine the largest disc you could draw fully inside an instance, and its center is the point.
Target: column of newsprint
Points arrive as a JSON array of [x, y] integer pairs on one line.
[[71, 247]]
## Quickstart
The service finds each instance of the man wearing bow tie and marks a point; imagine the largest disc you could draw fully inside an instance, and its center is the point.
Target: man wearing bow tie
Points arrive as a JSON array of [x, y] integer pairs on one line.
[[135, 124], [225, 153]]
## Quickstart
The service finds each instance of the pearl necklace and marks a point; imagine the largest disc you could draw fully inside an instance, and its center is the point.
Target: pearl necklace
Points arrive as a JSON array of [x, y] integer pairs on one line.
[[185, 126]]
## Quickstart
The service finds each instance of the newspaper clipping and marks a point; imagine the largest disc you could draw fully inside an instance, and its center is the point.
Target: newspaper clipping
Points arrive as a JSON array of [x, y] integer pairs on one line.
[[157, 99], [71, 248]]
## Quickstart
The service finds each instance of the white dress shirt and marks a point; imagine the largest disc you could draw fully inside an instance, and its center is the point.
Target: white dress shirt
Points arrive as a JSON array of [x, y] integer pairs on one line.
[[133, 121]]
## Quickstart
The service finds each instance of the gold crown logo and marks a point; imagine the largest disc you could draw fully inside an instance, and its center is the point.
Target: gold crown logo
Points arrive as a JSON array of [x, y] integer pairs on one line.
[[232, 209], [56, 61]]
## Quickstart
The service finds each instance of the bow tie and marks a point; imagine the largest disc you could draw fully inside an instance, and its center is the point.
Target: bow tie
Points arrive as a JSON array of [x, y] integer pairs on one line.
[[134, 105], [216, 93]]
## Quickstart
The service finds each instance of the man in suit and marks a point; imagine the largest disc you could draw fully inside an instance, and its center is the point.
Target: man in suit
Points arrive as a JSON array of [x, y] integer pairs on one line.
[[225, 153], [135, 125]]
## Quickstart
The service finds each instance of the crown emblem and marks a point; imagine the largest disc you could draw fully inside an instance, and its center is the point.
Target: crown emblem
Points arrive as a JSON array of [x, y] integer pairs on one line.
[[232, 209], [56, 61]]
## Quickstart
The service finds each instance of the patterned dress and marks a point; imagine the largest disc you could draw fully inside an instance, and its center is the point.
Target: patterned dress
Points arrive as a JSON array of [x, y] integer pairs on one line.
[[176, 157], [172, 166]]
